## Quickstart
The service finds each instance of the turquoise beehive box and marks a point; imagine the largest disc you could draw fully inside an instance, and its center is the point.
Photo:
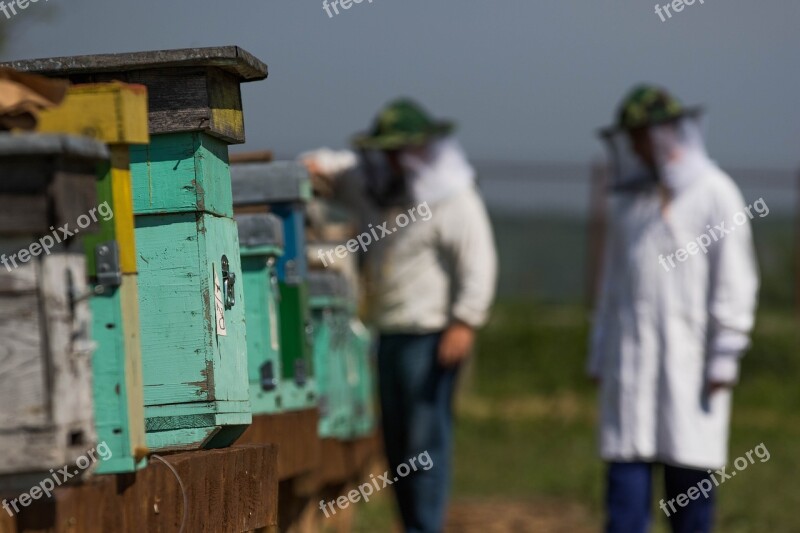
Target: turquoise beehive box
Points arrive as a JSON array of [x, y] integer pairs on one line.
[[284, 188], [194, 349], [330, 312], [361, 349], [261, 241]]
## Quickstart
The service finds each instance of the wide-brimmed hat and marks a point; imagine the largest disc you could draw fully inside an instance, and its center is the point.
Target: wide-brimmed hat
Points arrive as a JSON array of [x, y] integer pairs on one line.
[[649, 105], [402, 123]]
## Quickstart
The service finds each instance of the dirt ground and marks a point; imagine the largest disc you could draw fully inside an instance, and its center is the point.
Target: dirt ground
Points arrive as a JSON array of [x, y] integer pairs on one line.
[[482, 516]]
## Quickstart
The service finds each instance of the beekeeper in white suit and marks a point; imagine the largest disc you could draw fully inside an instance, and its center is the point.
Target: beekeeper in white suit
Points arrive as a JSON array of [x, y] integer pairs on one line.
[[676, 306]]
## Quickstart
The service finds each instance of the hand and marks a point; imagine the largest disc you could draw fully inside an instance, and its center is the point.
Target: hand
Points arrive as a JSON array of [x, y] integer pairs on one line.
[[456, 344], [714, 386], [321, 183]]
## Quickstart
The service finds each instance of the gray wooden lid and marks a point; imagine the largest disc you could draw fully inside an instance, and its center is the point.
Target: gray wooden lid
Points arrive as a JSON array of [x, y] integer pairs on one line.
[[229, 58], [38, 145], [270, 183], [327, 283], [260, 229]]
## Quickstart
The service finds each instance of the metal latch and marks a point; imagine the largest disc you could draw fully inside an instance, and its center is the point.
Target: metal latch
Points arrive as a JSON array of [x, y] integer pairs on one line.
[[291, 272], [109, 272], [273, 279], [268, 380], [228, 283], [300, 372]]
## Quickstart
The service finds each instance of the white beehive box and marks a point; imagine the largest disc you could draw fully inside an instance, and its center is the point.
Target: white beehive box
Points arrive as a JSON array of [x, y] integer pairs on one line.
[[46, 411]]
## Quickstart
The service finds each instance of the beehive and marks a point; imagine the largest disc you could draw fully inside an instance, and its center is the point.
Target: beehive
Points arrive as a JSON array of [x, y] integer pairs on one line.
[[193, 323], [361, 348], [49, 182], [116, 114], [284, 188], [330, 311], [261, 242]]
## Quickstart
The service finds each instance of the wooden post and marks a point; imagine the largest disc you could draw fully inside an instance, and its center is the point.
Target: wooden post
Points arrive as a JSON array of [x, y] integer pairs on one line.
[[116, 114], [190, 293], [595, 230], [49, 182], [797, 247]]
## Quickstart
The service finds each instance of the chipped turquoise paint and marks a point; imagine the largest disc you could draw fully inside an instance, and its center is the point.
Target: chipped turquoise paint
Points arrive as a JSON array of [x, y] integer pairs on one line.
[[108, 382], [184, 225], [182, 172]]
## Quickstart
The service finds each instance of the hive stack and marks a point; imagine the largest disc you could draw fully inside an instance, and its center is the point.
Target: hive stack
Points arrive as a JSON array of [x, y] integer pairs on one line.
[[284, 189], [116, 114], [194, 349], [330, 310], [261, 241], [45, 366]]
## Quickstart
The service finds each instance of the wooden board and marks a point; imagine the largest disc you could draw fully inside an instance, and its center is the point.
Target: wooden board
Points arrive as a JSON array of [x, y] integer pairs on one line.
[[190, 90], [195, 378], [117, 376], [295, 435], [114, 113], [23, 214], [124, 224], [185, 360], [228, 491], [45, 366], [229, 58], [181, 173]]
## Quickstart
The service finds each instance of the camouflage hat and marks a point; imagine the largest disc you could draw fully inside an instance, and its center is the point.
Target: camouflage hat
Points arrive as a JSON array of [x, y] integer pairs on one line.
[[400, 124], [648, 105]]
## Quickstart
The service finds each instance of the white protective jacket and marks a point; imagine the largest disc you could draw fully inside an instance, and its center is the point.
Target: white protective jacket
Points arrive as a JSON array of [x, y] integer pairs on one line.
[[661, 332], [434, 271]]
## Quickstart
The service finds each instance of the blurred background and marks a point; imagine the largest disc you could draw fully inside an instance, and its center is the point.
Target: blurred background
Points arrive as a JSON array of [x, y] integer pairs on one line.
[[529, 83]]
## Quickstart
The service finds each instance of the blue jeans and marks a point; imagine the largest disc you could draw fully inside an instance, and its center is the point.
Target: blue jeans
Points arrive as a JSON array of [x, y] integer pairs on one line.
[[629, 499], [416, 401]]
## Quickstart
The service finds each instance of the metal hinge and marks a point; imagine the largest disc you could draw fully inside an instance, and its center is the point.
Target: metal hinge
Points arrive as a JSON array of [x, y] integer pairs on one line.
[[109, 271]]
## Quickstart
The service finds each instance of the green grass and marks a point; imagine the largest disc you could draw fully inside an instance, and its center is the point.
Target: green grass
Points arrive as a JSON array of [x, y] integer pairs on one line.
[[526, 427]]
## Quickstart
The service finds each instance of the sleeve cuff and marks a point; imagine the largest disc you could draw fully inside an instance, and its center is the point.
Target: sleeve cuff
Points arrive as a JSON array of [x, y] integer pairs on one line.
[[474, 319], [724, 368], [332, 162]]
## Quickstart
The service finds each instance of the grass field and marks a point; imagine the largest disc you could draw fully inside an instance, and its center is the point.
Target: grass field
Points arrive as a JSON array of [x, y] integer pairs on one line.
[[526, 421], [526, 429]]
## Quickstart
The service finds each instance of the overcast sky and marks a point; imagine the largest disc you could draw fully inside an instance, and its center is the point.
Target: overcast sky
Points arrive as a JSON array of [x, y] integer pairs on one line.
[[526, 80]]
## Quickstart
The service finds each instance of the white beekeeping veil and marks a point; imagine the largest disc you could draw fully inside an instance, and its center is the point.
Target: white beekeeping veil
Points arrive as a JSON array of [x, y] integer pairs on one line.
[[680, 152], [654, 132], [627, 170]]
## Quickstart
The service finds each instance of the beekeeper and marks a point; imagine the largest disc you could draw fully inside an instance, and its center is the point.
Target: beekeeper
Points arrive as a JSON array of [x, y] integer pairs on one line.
[[666, 343], [430, 285]]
